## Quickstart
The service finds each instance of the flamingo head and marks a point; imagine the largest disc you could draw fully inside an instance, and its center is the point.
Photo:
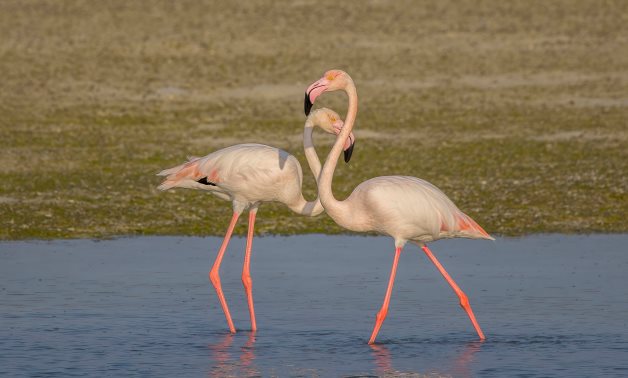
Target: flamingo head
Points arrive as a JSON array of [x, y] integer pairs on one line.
[[330, 122], [332, 80]]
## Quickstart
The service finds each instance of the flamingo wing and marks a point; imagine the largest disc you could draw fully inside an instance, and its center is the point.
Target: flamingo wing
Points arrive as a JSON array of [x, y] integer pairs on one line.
[[409, 208]]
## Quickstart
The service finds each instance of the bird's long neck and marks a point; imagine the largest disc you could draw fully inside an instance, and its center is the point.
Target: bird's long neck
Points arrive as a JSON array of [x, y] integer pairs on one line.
[[310, 152], [311, 208], [337, 210]]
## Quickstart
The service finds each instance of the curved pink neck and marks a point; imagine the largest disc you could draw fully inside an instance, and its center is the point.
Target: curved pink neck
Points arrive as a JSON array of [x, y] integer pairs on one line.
[[310, 208], [335, 208]]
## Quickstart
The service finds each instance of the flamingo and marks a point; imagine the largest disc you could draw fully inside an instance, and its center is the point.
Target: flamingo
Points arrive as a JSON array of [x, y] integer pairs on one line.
[[403, 207], [247, 175]]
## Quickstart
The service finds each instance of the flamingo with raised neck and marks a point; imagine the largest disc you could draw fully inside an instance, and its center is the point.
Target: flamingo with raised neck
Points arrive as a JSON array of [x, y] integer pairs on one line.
[[403, 207]]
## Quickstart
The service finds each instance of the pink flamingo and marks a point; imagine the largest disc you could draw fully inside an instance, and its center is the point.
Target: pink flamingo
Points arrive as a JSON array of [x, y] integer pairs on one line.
[[247, 175], [406, 208]]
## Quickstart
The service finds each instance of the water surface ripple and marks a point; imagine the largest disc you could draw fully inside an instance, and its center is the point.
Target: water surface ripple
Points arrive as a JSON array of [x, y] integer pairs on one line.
[[550, 305]]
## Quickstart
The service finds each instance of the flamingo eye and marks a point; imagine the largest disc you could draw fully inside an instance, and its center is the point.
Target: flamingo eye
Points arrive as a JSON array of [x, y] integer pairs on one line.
[[331, 76]]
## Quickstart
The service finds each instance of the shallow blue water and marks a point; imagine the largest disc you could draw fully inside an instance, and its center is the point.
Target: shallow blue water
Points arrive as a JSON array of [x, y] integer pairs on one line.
[[550, 305]]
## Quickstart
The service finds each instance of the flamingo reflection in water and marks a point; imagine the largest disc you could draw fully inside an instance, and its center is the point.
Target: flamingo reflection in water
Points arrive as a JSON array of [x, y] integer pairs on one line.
[[224, 366], [460, 366]]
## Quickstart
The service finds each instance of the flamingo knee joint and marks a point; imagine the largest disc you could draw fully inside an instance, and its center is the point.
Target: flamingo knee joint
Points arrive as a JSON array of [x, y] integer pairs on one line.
[[247, 282], [464, 300], [214, 278]]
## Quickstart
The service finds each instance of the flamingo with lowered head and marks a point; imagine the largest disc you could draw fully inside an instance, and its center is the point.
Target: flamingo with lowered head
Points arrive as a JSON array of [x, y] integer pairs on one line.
[[247, 175], [406, 208]]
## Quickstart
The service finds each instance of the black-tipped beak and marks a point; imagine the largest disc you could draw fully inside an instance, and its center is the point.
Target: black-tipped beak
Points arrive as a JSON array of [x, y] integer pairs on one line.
[[307, 104], [348, 152]]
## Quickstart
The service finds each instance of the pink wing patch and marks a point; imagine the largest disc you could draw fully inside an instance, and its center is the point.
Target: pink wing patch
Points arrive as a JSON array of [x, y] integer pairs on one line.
[[467, 225], [187, 171], [213, 177]]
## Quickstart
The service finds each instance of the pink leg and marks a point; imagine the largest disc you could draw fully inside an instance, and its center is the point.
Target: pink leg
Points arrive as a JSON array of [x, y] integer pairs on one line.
[[246, 272], [381, 315], [214, 276], [464, 300]]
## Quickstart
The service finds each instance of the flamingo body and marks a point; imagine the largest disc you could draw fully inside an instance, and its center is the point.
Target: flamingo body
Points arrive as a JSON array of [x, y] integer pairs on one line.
[[406, 208], [247, 175]]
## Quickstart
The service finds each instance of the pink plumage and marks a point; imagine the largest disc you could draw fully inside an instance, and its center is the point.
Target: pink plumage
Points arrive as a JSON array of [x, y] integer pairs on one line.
[[406, 208], [247, 175]]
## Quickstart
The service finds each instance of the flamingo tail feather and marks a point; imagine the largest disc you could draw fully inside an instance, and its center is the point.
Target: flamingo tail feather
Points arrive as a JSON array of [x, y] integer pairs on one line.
[[183, 172], [470, 228]]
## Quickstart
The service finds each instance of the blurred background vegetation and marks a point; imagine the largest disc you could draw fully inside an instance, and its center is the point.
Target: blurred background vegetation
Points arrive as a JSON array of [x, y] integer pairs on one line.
[[517, 110]]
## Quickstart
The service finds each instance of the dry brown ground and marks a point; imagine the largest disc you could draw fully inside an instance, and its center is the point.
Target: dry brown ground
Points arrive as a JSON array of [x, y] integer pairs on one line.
[[518, 110]]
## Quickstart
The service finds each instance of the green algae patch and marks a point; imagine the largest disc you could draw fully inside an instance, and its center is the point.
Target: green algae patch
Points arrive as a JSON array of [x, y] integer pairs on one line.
[[516, 111]]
